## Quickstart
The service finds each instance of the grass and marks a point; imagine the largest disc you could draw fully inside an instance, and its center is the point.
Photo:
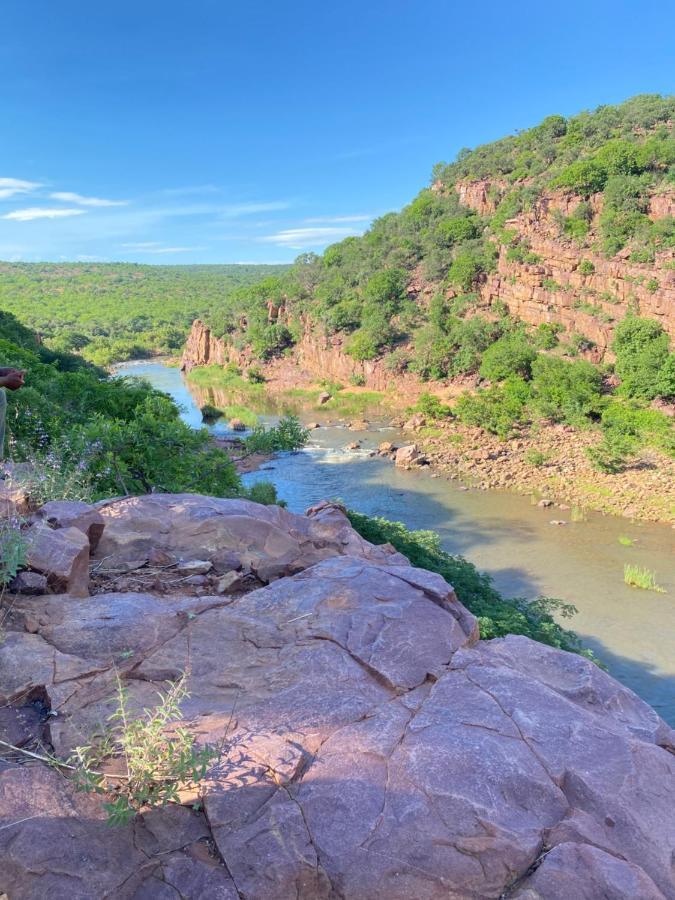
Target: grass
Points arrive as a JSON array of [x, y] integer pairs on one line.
[[637, 577], [626, 541], [345, 403], [247, 416], [218, 377]]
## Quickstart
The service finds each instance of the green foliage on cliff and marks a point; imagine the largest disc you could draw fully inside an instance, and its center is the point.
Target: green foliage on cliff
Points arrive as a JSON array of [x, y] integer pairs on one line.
[[496, 615]]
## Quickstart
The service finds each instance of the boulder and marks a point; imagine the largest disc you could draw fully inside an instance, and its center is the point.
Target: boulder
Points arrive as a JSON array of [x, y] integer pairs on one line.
[[74, 514], [386, 447], [312, 426], [62, 556], [353, 445], [237, 425], [416, 421], [231, 534], [324, 397], [29, 583], [411, 455], [358, 425]]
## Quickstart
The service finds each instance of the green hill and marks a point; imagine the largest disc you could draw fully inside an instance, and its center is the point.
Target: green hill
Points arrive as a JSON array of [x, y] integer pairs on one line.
[[112, 312]]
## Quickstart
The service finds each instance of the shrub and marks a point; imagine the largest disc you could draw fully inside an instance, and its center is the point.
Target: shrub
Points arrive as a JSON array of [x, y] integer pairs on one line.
[[255, 375], [498, 409], [289, 434], [652, 285], [642, 359], [566, 391], [263, 492], [546, 335], [210, 413], [357, 379], [584, 177], [363, 345], [160, 758], [464, 271], [586, 267], [12, 550], [496, 615], [432, 407], [510, 355], [536, 458]]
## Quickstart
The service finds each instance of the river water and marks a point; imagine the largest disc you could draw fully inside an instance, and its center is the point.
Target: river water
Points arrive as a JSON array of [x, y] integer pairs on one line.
[[507, 535]]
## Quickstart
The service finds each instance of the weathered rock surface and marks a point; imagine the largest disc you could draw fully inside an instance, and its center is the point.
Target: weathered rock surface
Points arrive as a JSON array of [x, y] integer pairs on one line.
[[375, 749], [73, 514], [231, 534], [61, 555], [410, 455]]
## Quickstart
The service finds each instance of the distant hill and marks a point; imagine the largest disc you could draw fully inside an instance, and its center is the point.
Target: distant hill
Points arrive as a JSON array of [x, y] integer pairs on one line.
[[110, 312]]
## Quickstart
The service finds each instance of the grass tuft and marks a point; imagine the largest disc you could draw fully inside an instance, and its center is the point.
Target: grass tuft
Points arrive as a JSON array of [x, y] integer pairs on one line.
[[637, 577]]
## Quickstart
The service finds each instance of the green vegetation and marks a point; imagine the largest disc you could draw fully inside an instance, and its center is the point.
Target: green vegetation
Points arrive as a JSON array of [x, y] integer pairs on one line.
[[112, 312], [160, 758], [87, 436], [637, 577], [496, 615], [626, 541]]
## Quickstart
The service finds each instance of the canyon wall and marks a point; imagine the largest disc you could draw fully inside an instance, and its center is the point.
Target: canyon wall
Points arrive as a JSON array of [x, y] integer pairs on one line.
[[558, 288]]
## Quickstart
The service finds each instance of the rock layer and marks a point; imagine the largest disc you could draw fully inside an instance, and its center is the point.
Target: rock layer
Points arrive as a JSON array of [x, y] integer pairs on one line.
[[375, 748]]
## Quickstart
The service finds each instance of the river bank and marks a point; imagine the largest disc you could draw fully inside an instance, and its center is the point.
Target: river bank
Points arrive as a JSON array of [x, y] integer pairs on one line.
[[504, 534], [547, 461]]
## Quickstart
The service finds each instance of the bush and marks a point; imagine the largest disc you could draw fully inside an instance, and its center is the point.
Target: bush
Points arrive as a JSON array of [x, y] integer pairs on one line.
[[510, 355], [357, 380], [566, 391], [363, 345], [546, 335], [498, 409], [643, 362], [496, 615], [432, 407], [289, 434], [536, 458], [586, 267], [585, 177]]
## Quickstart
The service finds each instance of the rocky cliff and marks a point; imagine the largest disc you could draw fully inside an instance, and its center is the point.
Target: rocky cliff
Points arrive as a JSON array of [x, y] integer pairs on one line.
[[373, 747], [585, 299]]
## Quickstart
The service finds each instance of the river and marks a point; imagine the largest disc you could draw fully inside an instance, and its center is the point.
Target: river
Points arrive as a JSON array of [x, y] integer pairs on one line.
[[507, 535]]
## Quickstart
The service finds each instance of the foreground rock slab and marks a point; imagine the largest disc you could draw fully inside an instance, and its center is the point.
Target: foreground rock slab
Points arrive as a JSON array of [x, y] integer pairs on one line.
[[376, 750]]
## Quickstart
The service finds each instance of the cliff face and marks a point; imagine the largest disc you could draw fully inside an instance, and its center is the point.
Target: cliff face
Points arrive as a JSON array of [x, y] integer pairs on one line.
[[320, 356], [556, 289]]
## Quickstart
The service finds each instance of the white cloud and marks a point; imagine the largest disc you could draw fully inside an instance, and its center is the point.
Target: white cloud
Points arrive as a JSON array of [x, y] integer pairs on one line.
[[299, 238], [233, 210], [38, 212], [321, 220], [69, 197], [11, 186]]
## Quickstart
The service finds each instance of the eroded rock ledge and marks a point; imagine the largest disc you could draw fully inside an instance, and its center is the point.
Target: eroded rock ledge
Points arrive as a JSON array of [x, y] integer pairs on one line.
[[377, 749]]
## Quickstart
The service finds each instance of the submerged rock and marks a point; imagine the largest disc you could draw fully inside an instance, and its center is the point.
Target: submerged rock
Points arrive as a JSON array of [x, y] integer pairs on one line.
[[374, 747]]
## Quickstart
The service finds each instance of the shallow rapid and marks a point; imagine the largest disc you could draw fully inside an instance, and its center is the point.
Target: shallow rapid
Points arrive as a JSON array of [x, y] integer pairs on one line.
[[507, 535]]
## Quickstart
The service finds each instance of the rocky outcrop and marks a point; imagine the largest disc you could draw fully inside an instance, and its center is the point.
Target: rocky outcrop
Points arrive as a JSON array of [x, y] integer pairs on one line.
[[585, 299], [373, 748]]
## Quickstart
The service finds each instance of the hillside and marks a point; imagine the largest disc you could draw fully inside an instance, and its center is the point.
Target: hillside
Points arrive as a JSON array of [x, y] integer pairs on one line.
[[111, 312], [539, 269]]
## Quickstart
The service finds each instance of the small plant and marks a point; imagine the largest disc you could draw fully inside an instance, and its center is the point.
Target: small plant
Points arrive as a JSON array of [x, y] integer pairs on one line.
[[652, 285], [161, 758], [357, 380], [536, 458], [12, 549], [637, 577], [255, 375], [210, 413], [586, 267], [625, 541]]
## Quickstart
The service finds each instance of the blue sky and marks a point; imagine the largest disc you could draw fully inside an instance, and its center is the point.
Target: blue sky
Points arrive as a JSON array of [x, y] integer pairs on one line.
[[212, 131]]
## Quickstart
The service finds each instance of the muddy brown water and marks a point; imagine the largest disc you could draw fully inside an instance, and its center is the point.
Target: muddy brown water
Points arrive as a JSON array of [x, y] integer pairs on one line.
[[507, 535]]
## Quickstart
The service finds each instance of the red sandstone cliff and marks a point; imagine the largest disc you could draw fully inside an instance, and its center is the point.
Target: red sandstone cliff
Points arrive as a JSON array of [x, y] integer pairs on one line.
[[555, 289]]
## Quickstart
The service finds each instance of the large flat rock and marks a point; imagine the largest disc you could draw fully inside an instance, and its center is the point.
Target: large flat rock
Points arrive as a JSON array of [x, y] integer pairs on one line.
[[376, 750]]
